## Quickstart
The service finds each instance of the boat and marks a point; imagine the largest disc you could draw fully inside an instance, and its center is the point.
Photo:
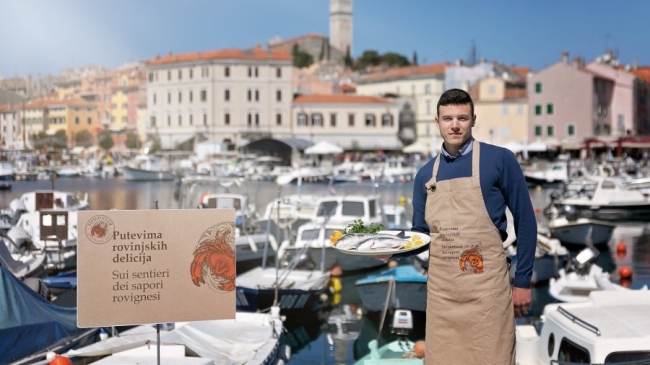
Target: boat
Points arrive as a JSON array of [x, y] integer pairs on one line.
[[557, 172], [607, 328], [146, 168], [403, 286], [284, 215], [6, 171], [550, 256], [250, 338], [399, 352], [49, 199], [304, 175], [293, 290], [395, 170], [585, 277], [21, 263], [581, 231], [31, 326], [245, 215], [609, 201]]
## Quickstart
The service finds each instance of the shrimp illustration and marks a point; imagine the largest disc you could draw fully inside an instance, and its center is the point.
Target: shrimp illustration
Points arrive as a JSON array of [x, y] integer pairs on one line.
[[474, 258]]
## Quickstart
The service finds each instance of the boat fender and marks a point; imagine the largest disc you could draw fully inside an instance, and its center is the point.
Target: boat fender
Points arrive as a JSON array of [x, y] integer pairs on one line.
[[336, 285], [61, 360], [285, 353], [621, 247], [625, 272]]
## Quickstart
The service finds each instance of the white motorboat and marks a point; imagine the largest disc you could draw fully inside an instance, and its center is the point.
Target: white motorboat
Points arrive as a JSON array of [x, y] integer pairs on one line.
[[550, 256], [250, 338], [304, 175], [557, 172], [584, 278], [607, 328], [48, 199], [146, 168], [22, 263], [581, 231], [610, 201]]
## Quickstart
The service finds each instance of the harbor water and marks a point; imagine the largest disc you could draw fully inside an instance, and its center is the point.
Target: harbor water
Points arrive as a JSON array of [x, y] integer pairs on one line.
[[340, 333]]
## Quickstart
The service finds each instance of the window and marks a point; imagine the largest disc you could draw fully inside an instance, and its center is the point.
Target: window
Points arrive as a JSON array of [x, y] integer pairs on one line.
[[302, 119], [169, 75], [256, 72], [191, 96], [549, 109], [278, 119], [427, 89], [76, 120], [191, 73], [607, 129], [629, 356], [191, 120], [355, 209], [257, 94], [278, 72], [571, 130], [577, 354], [124, 119], [154, 99], [153, 121], [169, 121], [278, 95], [226, 95], [250, 95], [250, 72], [205, 120], [169, 99], [257, 119], [538, 131], [504, 109], [351, 120], [550, 130], [180, 120], [226, 71], [90, 120], [332, 120], [204, 95], [180, 97], [180, 74], [428, 107], [150, 76], [250, 119], [601, 110], [226, 119], [538, 88], [370, 120], [387, 120], [538, 109], [317, 119]]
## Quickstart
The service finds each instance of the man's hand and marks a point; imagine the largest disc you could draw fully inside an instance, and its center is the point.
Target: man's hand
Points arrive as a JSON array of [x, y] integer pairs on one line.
[[521, 301]]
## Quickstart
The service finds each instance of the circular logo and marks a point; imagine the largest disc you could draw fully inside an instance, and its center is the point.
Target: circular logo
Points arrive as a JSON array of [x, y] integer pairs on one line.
[[99, 229]]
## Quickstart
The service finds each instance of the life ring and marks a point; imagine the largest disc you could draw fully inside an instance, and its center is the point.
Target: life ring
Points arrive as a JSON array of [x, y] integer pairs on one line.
[[206, 193]]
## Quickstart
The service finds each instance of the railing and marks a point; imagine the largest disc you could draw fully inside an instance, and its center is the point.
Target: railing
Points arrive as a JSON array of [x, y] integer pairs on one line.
[[590, 327]]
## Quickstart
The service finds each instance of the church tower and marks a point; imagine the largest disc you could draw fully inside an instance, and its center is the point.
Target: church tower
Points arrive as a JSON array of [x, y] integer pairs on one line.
[[341, 25]]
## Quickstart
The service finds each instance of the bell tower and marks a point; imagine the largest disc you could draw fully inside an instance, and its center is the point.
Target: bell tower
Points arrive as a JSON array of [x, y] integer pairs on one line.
[[341, 25]]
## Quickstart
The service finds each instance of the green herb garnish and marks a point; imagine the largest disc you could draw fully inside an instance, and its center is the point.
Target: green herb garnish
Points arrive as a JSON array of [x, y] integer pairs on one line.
[[358, 227]]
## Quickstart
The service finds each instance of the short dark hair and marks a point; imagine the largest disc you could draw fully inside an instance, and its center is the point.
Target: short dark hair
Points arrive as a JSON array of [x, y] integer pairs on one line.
[[455, 97]]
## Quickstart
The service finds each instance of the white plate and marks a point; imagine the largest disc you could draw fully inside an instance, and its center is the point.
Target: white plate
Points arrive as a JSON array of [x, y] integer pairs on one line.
[[407, 235]]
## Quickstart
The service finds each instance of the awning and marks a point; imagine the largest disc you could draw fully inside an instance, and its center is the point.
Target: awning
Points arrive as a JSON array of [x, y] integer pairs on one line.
[[368, 142], [417, 147], [536, 147], [514, 146]]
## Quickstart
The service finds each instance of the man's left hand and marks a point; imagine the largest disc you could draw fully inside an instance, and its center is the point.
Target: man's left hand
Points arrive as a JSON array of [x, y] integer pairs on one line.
[[521, 300]]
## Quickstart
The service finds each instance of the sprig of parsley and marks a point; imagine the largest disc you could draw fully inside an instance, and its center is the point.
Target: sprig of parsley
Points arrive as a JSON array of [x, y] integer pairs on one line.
[[358, 227]]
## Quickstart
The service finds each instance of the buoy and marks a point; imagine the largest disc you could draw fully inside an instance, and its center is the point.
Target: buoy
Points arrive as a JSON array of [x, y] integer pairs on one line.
[[61, 360], [621, 247], [102, 334], [402, 200], [419, 349], [537, 210], [50, 355], [538, 188], [206, 193], [336, 271], [625, 272], [336, 284]]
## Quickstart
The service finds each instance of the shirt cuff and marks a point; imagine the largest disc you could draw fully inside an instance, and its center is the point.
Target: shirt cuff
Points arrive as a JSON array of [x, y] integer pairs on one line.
[[522, 281]]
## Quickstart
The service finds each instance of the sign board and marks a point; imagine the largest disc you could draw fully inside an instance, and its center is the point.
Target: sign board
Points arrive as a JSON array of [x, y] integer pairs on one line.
[[155, 266]]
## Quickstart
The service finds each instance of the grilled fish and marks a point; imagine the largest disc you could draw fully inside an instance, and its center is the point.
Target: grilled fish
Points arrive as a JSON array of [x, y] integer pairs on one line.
[[370, 242]]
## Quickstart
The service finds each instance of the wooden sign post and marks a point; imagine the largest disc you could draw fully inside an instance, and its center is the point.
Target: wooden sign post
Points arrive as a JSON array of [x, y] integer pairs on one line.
[[155, 266]]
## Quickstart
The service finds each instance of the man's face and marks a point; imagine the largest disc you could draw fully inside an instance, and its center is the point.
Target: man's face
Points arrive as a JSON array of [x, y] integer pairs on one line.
[[455, 123]]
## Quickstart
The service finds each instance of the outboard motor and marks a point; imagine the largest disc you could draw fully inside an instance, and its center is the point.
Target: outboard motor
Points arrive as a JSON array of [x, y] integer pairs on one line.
[[303, 261], [571, 213], [583, 260]]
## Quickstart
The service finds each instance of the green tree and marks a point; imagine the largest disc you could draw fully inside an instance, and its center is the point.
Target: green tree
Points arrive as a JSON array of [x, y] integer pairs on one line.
[[415, 58], [106, 140], [347, 60], [394, 59], [300, 58], [83, 138], [368, 58], [132, 141]]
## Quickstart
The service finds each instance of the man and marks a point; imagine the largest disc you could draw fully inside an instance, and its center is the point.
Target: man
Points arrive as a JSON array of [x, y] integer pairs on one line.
[[460, 199]]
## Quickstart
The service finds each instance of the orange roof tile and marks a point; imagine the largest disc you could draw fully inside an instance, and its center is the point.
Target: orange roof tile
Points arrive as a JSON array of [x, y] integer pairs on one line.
[[4, 107], [255, 53], [348, 87], [338, 98], [521, 71], [643, 73], [400, 72]]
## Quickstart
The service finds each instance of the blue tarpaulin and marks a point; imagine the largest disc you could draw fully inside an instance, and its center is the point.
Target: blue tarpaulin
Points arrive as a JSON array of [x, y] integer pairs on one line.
[[28, 322]]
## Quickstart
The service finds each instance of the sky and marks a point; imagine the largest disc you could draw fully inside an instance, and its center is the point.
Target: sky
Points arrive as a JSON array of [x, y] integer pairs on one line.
[[40, 37]]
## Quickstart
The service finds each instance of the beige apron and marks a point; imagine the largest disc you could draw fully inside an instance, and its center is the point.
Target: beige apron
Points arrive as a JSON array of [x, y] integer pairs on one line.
[[470, 318]]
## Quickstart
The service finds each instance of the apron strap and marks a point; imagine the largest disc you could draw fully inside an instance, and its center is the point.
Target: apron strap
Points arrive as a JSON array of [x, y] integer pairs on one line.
[[475, 158]]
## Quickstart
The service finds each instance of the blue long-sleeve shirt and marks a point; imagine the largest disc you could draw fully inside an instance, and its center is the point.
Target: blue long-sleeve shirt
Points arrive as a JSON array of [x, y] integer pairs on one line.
[[502, 184]]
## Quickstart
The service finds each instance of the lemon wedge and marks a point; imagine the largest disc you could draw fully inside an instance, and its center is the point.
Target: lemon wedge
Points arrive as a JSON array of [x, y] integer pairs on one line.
[[414, 242], [336, 237]]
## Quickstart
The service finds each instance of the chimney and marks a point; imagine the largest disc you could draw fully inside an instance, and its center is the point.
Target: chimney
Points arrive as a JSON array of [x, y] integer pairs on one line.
[[578, 62], [565, 57]]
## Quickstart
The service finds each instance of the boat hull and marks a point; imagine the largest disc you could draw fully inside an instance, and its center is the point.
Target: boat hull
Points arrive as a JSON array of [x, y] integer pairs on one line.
[[289, 300], [544, 267], [581, 233], [132, 174], [628, 212]]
